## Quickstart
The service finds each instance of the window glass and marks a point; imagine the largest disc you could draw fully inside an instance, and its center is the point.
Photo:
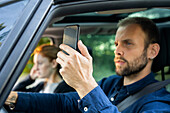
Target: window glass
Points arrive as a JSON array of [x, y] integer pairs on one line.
[[102, 47], [30, 63], [154, 13], [10, 11], [43, 40]]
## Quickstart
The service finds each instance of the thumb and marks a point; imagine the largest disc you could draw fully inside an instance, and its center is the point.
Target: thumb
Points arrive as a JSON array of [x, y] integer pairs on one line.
[[83, 49]]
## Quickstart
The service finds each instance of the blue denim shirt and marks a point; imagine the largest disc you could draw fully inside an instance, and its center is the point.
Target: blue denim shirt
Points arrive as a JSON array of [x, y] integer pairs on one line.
[[102, 99]]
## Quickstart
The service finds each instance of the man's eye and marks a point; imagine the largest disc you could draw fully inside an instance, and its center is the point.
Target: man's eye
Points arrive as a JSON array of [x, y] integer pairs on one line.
[[129, 43]]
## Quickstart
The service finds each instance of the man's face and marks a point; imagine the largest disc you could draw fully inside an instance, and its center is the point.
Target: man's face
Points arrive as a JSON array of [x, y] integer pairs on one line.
[[130, 56]]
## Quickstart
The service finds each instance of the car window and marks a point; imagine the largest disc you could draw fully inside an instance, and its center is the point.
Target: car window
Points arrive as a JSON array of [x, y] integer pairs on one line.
[[154, 13], [101, 47], [8, 16]]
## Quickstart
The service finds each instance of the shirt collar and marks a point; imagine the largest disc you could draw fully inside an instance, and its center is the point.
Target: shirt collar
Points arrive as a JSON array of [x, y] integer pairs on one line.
[[137, 86]]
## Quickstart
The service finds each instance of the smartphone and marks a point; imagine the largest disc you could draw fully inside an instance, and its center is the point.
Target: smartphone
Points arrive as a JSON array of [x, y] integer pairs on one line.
[[71, 36]]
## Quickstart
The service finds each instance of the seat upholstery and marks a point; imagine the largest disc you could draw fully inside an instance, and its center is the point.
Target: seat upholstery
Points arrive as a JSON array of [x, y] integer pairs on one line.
[[163, 58]]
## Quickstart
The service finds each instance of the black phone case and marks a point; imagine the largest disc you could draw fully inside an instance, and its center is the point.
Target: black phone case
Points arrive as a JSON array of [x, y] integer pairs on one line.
[[71, 36]]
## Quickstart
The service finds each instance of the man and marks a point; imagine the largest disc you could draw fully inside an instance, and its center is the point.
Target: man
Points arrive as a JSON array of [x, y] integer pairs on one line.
[[136, 46]]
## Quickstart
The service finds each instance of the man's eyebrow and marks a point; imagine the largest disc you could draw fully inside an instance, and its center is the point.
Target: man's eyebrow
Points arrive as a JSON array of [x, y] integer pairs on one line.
[[124, 40], [127, 40]]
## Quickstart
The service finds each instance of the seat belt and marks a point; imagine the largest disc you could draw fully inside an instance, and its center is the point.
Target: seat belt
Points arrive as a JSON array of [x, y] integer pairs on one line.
[[148, 89]]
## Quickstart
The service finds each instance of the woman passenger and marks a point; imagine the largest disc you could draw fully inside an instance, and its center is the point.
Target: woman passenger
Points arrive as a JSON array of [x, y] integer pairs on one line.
[[45, 66]]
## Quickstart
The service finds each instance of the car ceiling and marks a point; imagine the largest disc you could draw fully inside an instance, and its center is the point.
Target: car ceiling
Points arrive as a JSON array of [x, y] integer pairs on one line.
[[97, 23]]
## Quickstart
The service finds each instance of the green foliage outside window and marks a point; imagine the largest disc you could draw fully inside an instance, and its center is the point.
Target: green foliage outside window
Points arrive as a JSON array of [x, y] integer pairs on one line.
[[102, 52], [30, 63]]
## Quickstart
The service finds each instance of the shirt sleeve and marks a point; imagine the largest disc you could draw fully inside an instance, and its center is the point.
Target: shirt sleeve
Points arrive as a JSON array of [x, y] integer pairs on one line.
[[47, 103], [96, 102]]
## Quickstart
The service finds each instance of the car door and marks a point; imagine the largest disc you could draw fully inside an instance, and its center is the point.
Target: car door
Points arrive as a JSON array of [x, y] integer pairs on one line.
[[19, 23]]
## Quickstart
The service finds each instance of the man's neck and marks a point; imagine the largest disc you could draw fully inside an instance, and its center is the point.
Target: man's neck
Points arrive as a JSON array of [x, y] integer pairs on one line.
[[136, 77]]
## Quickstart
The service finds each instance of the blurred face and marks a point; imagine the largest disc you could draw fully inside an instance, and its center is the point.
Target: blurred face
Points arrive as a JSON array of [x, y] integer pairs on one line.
[[130, 56], [43, 66]]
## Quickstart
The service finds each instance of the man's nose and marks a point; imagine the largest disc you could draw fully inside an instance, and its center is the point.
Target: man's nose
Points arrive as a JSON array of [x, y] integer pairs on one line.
[[119, 51]]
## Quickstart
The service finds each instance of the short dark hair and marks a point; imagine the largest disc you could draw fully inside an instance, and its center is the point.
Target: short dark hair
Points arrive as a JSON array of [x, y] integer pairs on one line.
[[147, 25]]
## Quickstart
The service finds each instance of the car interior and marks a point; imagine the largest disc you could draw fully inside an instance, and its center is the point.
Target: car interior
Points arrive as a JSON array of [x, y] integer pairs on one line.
[[97, 31], [105, 24]]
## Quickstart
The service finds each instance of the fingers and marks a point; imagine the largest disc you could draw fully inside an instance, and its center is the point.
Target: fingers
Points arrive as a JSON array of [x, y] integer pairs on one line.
[[33, 73], [71, 51], [67, 49], [83, 49], [61, 57]]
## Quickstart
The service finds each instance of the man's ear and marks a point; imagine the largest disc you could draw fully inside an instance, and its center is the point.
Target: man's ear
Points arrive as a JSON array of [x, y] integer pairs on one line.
[[54, 63], [153, 50]]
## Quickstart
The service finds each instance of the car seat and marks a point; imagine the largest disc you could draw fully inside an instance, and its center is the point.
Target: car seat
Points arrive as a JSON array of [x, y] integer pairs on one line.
[[163, 58]]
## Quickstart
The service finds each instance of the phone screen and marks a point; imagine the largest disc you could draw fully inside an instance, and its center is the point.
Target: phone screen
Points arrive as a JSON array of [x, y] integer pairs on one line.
[[71, 36]]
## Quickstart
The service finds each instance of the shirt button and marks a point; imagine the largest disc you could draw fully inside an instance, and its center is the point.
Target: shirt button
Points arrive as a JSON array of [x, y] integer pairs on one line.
[[85, 109], [112, 99]]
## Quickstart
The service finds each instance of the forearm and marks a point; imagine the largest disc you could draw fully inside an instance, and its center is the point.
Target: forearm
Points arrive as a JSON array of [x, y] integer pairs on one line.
[[97, 102], [46, 103], [77, 70]]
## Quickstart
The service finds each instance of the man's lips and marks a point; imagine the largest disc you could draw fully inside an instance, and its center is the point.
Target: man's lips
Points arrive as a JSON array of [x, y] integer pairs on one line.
[[119, 62]]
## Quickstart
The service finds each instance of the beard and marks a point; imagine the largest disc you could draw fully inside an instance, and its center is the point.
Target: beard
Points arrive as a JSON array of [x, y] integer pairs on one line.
[[133, 67]]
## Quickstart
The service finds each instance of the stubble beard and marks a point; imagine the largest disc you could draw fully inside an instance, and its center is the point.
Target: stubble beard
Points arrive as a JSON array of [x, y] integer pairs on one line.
[[133, 67]]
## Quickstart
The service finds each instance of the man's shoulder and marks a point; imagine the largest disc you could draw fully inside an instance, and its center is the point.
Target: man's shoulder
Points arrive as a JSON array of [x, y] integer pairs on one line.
[[156, 101], [161, 94]]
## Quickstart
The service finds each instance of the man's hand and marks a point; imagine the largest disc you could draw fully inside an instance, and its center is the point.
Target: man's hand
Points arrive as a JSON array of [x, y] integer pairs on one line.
[[77, 68]]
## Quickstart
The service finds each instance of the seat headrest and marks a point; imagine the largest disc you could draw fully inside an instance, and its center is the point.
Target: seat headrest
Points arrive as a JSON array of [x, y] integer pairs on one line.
[[163, 58]]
